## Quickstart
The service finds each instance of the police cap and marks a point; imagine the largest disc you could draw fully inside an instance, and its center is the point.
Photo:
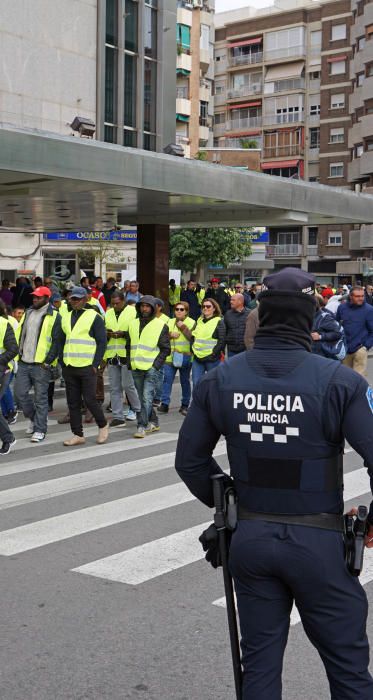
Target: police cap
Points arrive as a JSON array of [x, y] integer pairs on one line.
[[290, 279]]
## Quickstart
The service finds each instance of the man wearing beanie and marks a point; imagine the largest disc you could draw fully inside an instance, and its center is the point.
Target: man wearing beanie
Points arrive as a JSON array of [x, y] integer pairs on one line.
[[285, 413]]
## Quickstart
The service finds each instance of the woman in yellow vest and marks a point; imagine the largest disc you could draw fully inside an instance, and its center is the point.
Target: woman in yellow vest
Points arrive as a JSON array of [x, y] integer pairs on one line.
[[7, 401], [209, 339], [8, 351], [180, 333]]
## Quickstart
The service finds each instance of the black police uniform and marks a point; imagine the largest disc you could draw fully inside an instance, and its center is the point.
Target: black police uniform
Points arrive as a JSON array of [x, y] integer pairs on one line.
[[285, 413]]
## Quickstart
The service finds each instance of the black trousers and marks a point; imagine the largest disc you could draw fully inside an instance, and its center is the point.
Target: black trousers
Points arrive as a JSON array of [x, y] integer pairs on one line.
[[81, 382]]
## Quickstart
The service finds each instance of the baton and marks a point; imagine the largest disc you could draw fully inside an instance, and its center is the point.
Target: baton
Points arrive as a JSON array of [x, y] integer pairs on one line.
[[219, 520]]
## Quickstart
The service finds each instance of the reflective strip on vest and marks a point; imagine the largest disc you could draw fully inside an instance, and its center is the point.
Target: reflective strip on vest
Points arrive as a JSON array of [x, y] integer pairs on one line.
[[143, 353], [117, 346], [45, 337], [181, 344], [204, 343], [78, 337]]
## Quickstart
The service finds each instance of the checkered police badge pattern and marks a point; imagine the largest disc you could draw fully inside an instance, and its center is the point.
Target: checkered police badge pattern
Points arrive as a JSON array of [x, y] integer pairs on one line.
[[269, 430]]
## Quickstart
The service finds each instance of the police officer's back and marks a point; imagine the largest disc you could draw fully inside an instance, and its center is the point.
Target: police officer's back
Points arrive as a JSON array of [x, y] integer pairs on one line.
[[285, 413]]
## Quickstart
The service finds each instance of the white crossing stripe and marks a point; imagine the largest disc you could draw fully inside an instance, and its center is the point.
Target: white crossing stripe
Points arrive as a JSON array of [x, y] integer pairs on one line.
[[149, 560], [88, 479], [52, 438], [23, 424], [79, 522], [70, 455], [294, 616]]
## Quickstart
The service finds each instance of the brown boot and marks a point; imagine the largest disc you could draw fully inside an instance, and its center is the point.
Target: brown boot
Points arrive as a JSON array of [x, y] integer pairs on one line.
[[75, 440], [103, 434]]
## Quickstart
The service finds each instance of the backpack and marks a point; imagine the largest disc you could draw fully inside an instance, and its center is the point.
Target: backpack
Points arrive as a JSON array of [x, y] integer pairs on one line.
[[336, 350]]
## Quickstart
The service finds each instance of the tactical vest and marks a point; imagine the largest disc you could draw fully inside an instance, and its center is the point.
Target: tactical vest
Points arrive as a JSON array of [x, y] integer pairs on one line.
[[80, 347], [204, 343], [180, 344], [280, 457], [174, 295], [144, 346], [117, 346], [3, 327]]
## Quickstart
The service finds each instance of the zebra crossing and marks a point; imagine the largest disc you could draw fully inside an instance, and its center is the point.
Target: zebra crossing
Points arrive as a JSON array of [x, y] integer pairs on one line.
[[133, 565]]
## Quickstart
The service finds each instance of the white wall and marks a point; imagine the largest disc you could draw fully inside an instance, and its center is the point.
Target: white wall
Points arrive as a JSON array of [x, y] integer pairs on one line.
[[25, 251], [47, 62]]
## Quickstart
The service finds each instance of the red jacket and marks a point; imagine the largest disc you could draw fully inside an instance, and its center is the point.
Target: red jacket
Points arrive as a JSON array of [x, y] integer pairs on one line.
[[97, 294]]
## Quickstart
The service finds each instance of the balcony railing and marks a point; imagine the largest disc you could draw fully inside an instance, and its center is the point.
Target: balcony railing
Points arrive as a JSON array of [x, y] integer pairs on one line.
[[237, 142], [247, 89], [246, 59], [286, 52], [314, 84], [314, 151], [282, 151], [314, 118], [289, 84], [312, 250], [182, 140], [220, 129], [284, 118], [244, 123], [182, 93], [288, 250], [220, 98]]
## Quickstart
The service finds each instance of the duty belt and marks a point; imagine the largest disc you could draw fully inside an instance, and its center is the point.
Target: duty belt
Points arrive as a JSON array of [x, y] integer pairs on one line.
[[323, 521]]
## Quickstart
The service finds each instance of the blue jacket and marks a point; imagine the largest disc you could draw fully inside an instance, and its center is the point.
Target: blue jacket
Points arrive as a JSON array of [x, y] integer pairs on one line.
[[357, 322], [326, 325]]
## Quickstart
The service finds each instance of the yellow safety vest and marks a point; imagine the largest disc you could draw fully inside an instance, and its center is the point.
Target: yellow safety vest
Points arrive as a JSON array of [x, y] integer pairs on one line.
[[144, 346], [17, 329], [204, 343], [164, 318], [80, 347], [174, 295], [201, 296], [180, 344], [64, 309], [3, 327], [45, 336], [117, 346]]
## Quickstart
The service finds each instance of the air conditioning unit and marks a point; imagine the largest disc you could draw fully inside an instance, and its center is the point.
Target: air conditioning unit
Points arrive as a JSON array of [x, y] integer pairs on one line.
[[361, 259], [198, 3], [256, 87]]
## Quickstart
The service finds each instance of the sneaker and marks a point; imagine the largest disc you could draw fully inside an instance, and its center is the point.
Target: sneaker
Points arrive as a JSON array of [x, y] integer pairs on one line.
[[131, 415], [108, 408], [30, 429], [152, 428], [156, 403], [103, 434], [75, 440], [183, 410], [117, 423], [140, 432], [163, 408], [37, 437], [7, 446], [12, 417]]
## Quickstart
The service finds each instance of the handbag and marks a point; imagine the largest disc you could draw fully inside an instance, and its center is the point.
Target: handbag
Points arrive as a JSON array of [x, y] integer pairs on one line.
[[177, 359]]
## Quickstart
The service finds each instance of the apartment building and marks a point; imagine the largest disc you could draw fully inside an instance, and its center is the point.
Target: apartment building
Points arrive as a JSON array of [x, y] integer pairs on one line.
[[194, 73], [282, 84]]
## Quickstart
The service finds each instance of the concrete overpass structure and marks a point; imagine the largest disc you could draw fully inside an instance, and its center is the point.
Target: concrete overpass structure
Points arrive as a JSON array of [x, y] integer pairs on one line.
[[50, 182]]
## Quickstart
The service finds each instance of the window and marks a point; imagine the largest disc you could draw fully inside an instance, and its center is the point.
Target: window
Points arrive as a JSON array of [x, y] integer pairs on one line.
[[203, 113], [335, 238], [337, 67], [360, 43], [219, 88], [315, 75], [359, 150], [315, 39], [111, 56], [150, 94], [111, 22], [150, 32], [337, 135], [360, 79], [315, 137], [286, 42], [337, 101], [312, 235], [130, 89], [339, 32], [336, 170], [314, 109], [369, 69], [369, 145], [219, 118], [130, 26], [183, 36], [205, 37]]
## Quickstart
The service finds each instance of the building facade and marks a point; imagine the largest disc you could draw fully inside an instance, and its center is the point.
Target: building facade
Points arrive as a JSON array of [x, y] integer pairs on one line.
[[283, 84], [195, 73]]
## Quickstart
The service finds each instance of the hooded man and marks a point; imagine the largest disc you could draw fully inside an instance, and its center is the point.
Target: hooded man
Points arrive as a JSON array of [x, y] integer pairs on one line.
[[148, 346], [285, 414]]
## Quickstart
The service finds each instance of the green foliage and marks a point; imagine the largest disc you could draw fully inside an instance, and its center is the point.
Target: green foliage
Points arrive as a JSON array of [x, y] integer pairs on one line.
[[191, 249], [248, 143], [201, 155]]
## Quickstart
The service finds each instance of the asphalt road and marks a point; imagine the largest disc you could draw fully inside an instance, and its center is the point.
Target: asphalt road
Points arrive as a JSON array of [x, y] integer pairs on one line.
[[77, 622]]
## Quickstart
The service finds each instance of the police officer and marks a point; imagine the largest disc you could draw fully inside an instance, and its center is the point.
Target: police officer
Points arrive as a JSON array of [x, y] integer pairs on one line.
[[285, 413]]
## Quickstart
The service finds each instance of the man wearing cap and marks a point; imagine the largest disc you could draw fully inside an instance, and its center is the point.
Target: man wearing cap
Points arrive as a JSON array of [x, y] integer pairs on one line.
[[82, 350], [285, 413], [38, 349], [219, 294]]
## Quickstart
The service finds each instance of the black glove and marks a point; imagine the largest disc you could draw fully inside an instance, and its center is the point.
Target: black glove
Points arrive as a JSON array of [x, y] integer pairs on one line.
[[210, 544]]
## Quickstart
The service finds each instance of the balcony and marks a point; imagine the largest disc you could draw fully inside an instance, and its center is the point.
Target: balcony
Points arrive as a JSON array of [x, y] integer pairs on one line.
[[204, 90], [282, 151], [312, 251], [204, 59], [244, 123], [220, 98], [183, 106], [313, 152], [285, 85], [355, 134], [361, 239], [366, 124], [285, 250], [185, 14], [204, 133], [246, 59], [286, 52], [283, 118], [245, 90], [237, 142], [184, 62], [354, 171], [367, 88], [313, 118], [220, 129], [314, 85], [182, 93]]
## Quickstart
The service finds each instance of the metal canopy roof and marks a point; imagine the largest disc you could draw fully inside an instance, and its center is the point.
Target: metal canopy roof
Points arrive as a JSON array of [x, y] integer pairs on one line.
[[50, 182]]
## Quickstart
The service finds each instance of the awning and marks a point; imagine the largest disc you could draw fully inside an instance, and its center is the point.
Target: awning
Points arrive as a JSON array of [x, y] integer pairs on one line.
[[333, 59], [242, 133], [257, 103], [279, 164], [246, 42], [286, 70], [182, 118], [182, 71]]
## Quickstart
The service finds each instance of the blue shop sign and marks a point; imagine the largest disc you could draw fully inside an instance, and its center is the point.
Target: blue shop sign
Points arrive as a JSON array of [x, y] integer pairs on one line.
[[125, 236], [256, 236]]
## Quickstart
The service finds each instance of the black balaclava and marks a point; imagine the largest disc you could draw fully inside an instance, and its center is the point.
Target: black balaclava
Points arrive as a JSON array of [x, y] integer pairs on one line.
[[287, 307]]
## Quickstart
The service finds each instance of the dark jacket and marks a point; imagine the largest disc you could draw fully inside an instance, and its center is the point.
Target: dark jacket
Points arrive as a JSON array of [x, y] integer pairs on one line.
[[56, 334], [97, 332], [194, 307], [328, 328], [163, 341], [357, 322], [221, 296], [235, 325], [10, 348]]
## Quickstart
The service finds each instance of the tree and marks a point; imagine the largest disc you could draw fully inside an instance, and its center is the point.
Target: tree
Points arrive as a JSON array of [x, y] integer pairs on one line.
[[191, 249], [99, 252]]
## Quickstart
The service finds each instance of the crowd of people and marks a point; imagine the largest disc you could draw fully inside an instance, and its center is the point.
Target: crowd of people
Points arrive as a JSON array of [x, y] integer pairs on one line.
[[142, 342]]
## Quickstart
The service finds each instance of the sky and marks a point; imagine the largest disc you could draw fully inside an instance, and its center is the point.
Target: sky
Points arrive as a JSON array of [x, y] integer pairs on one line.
[[222, 5]]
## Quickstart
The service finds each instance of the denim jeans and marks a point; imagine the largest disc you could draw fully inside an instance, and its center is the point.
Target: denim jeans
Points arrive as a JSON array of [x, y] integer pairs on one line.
[[200, 368], [159, 385], [35, 408], [7, 401], [121, 378], [145, 383], [6, 434], [169, 376]]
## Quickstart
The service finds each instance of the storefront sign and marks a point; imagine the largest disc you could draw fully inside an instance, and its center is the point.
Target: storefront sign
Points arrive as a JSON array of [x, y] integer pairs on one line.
[[256, 236], [125, 236]]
